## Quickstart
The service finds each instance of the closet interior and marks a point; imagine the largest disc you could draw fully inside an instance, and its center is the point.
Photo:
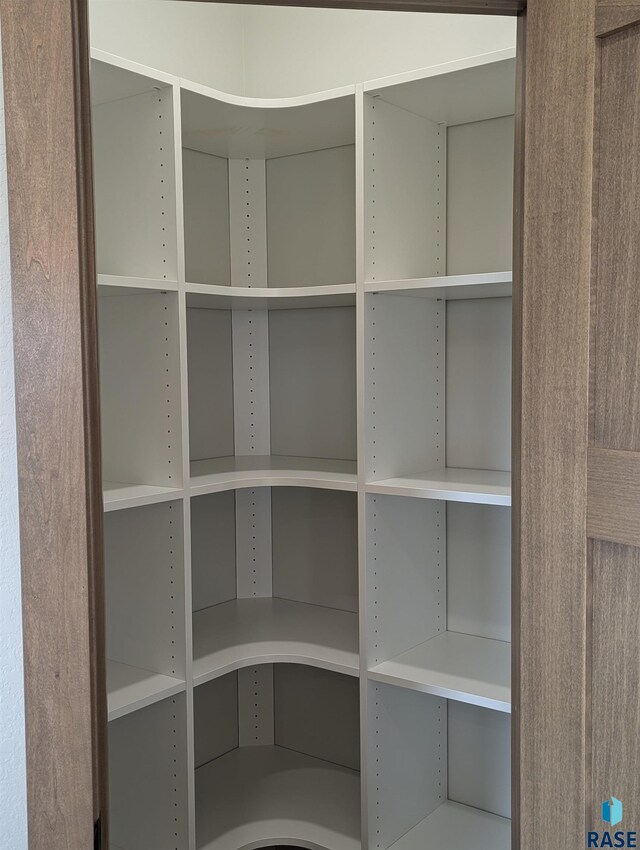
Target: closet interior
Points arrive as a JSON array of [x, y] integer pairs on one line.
[[305, 360]]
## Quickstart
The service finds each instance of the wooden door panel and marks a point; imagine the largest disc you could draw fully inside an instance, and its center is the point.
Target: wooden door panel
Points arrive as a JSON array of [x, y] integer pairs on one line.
[[609, 19], [616, 294], [613, 493], [616, 679]]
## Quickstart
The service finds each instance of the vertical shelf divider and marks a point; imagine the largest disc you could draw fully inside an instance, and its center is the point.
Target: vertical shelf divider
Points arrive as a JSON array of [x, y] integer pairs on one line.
[[186, 502], [361, 449]]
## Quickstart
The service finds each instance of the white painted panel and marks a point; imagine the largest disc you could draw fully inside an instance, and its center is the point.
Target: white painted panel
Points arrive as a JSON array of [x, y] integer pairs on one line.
[[483, 88], [213, 549], [480, 196], [247, 128], [456, 827], [313, 375], [233, 473], [140, 389], [117, 496], [145, 588], [405, 210], [315, 547], [214, 297], [488, 285], [246, 632], [479, 570], [317, 713], [110, 285], [460, 667], [479, 383], [404, 385], [247, 209], [215, 709], [311, 218], [407, 760], [132, 688], [250, 332], [206, 218], [481, 486], [406, 574], [255, 706], [114, 82], [253, 543], [210, 371], [480, 758], [134, 173], [148, 778], [264, 796]]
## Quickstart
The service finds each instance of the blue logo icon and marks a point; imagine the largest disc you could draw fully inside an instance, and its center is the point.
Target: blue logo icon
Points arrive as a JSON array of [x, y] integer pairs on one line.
[[612, 811], [612, 815]]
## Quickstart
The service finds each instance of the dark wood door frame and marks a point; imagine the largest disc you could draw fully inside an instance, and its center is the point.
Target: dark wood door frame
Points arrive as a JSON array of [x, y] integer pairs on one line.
[[46, 90], [46, 66]]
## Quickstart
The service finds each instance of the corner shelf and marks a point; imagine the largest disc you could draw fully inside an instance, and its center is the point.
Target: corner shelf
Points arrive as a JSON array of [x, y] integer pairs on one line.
[[453, 826], [267, 795], [408, 374], [232, 473], [479, 486], [131, 688], [214, 296], [465, 668], [118, 496], [110, 284], [447, 287], [244, 632]]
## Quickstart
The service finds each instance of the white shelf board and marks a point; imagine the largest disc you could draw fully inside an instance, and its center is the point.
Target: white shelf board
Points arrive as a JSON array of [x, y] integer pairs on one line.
[[216, 297], [244, 632], [471, 89], [447, 287], [130, 688], [461, 667], [262, 796], [118, 496], [234, 473], [259, 128], [453, 826], [109, 284], [480, 486]]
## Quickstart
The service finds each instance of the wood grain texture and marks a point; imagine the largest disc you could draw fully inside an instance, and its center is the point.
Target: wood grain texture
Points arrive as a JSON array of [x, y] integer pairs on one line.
[[616, 394], [613, 509], [613, 504], [616, 680], [610, 19], [516, 413], [45, 63], [551, 552], [475, 7]]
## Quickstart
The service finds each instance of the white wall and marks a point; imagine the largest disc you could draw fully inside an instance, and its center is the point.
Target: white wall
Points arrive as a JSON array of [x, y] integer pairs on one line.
[[198, 41], [291, 51], [13, 804], [274, 51]]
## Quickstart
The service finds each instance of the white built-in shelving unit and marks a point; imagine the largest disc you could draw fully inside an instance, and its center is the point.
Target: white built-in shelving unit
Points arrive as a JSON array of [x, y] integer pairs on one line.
[[305, 360]]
